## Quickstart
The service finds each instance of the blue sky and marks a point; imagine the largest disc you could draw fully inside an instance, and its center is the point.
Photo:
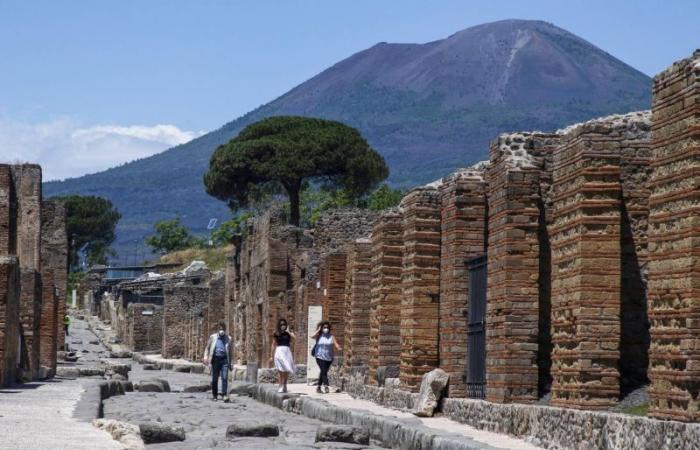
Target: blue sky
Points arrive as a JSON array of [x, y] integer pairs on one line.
[[99, 83]]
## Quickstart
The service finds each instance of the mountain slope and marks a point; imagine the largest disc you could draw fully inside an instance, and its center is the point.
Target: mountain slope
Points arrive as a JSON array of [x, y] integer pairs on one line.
[[428, 108]]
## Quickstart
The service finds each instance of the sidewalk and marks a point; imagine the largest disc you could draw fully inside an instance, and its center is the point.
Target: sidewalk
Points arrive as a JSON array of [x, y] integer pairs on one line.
[[437, 423]]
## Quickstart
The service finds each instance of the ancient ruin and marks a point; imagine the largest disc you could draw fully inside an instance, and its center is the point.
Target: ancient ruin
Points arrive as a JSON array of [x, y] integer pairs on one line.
[[34, 262]]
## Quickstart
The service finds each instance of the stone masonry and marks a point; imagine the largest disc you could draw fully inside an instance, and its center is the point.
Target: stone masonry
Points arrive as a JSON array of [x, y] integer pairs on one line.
[[385, 296], [674, 243], [420, 284], [54, 275], [516, 177], [357, 294], [9, 318], [463, 231], [180, 301]]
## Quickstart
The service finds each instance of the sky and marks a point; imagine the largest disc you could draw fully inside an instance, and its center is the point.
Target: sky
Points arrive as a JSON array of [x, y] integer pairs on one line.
[[87, 85]]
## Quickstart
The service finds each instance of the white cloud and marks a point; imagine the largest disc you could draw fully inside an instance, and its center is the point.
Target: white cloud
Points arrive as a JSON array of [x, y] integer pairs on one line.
[[65, 149]]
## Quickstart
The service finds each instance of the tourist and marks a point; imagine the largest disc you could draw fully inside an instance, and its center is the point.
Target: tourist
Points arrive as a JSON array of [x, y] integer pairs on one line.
[[216, 354], [325, 343], [66, 324], [281, 349]]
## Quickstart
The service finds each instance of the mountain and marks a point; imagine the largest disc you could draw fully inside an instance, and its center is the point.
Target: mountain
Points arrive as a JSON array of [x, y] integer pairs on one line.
[[428, 108]]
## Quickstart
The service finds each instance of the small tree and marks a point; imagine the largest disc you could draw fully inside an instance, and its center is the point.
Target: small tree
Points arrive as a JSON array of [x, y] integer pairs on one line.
[[288, 151], [384, 197], [170, 236], [90, 220], [228, 229]]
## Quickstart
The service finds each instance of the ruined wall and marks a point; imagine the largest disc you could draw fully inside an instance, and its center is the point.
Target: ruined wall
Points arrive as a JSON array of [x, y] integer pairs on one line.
[[217, 302], [357, 294], [9, 319], [54, 275], [518, 177], [420, 286], [463, 236], [590, 309], [8, 212], [674, 266], [385, 297], [30, 300], [333, 293], [145, 327], [180, 302]]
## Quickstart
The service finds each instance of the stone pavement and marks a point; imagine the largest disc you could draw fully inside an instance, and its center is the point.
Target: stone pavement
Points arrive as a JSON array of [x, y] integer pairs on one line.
[[42, 415], [344, 400]]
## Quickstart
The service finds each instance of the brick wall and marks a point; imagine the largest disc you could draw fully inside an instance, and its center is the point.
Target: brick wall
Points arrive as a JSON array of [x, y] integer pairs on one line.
[[27, 180], [217, 302], [357, 295], [385, 295], [8, 212], [54, 256], [516, 290], [30, 316], [180, 302], [49, 329], [333, 293], [9, 319], [145, 327], [420, 286], [463, 235], [674, 266], [586, 266]]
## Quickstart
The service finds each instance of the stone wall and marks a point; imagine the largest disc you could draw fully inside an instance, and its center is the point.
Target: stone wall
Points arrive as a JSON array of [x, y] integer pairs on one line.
[[30, 300], [463, 236], [385, 297], [674, 266], [420, 286], [9, 319]]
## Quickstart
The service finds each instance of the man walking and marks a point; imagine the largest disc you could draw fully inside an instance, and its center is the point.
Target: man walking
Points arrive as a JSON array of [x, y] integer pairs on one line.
[[216, 353], [66, 324]]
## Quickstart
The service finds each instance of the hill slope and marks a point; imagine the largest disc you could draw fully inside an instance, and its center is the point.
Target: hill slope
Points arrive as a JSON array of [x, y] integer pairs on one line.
[[428, 108]]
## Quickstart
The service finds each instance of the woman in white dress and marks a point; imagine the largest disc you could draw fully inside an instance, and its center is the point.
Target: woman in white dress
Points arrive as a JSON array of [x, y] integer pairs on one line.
[[282, 341]]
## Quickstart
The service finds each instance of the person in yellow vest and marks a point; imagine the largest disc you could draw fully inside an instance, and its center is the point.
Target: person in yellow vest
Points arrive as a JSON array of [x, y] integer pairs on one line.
[[66, 324]]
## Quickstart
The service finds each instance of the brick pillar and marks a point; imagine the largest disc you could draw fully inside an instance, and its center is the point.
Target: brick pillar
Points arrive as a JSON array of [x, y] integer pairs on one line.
[[27, 188], [420, 284], [516, 289], [357, 293], [54, 276], [333, 293], [586, 261], [463, 224], [674, 243], [385, 296], [9, 319]]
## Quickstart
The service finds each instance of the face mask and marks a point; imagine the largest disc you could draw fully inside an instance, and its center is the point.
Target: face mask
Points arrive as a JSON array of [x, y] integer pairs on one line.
[[221, 332], [326, 330], [283, 327]]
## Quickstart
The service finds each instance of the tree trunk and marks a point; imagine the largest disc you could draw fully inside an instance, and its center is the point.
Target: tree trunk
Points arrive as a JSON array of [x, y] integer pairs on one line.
[[293, 193]]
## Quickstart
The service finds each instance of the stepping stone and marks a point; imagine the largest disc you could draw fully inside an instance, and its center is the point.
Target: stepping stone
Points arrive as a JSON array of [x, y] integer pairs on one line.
[[154, 385], [252, 429], [197, 388], [156, 433], [342, 433]]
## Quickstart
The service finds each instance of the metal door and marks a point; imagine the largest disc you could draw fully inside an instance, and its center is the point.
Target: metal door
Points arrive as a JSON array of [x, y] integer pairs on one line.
[[476, 329]]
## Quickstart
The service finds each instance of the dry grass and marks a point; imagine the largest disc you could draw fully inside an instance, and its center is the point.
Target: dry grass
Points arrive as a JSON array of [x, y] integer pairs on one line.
[[215, 257]]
